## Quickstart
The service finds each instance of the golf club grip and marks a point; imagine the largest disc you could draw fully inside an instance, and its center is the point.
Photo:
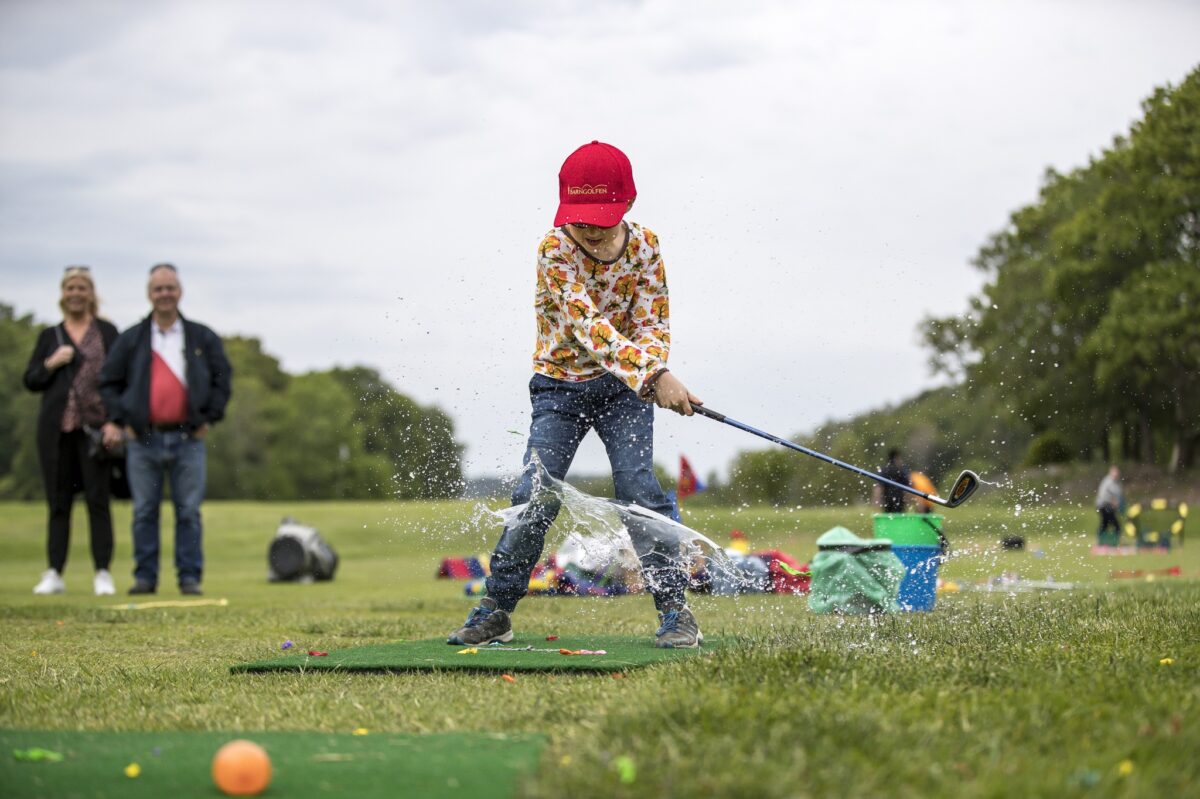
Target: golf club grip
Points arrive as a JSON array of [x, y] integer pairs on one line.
[[711, 414]]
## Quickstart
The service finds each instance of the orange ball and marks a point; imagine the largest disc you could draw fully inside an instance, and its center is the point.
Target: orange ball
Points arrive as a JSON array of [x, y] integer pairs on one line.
[[241, 768]]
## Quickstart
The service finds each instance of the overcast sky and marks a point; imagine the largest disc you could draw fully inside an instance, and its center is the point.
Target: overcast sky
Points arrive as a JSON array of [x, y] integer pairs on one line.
[[367, 182]]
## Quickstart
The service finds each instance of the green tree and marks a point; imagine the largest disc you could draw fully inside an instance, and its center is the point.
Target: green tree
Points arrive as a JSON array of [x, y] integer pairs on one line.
[[1066, 265], [426, 461], [20, 476], [764, 476], [239, 447], [316, 448], [1148, 349]]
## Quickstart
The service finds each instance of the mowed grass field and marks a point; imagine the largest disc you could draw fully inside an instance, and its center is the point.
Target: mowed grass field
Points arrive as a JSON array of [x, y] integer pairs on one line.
[[1093, 691]]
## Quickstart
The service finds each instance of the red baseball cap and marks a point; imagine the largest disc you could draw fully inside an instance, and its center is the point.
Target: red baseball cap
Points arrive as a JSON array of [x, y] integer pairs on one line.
[[595, 186]]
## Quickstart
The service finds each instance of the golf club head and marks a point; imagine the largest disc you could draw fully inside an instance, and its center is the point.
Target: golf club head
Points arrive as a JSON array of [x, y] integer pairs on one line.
[[963, 488]]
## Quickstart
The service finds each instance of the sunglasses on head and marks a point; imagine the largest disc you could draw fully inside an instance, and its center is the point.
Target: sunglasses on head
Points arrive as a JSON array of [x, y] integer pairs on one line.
[[70, 269]]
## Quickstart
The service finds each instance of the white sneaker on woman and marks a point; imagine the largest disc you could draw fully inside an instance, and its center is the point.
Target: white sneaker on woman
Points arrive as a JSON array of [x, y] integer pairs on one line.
[[51, 583], [103, 583]]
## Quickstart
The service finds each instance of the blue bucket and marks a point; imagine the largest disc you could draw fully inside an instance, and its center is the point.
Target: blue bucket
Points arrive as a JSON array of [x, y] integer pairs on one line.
[[918, 590]]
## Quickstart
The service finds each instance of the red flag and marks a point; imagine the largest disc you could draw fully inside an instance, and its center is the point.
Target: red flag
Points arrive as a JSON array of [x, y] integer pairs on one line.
[[689, 483]]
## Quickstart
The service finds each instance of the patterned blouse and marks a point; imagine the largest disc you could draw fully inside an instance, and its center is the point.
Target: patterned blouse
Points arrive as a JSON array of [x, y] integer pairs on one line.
[[84, 405], [594, 317]]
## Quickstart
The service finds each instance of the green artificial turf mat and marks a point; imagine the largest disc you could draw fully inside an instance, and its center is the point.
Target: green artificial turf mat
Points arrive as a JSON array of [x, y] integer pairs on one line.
[[621, 652], [179, 764]]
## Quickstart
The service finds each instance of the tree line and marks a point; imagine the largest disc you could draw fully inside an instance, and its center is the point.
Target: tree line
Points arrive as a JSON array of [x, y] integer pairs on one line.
[[1090, 318], [1083, 344], [342, 433]]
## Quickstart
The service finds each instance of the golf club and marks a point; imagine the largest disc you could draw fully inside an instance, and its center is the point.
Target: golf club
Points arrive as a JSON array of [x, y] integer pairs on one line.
[[963, 488]]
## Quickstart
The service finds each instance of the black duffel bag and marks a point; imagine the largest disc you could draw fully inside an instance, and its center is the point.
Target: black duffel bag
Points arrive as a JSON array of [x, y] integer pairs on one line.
[[299, 554]]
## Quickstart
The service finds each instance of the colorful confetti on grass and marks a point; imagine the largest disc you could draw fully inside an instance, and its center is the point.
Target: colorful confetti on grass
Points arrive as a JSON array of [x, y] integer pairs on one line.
[[37, 755], [500, 646], [626, 769]]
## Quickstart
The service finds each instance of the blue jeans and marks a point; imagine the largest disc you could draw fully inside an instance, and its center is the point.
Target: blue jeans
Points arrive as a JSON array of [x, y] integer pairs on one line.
[[183, 459], [563, 412]]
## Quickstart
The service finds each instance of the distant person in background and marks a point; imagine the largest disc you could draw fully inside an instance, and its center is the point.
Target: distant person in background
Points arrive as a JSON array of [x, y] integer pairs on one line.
[[890, 498], [165, 383], [1109, 501], [65, 368]]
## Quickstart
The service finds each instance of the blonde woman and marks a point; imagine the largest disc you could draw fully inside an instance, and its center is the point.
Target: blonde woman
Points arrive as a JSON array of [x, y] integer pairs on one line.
[[65, 369]]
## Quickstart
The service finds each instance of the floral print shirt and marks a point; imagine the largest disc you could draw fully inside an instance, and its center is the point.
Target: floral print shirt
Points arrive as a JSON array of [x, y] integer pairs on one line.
[[594, 317]]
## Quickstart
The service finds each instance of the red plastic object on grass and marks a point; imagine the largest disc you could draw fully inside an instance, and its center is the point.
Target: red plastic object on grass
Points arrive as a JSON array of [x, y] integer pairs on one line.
[[781, 581], [1171, 571]]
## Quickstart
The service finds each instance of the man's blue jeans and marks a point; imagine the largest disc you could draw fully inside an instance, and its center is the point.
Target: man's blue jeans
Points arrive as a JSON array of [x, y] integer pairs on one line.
[[563, 412], [181, 458]]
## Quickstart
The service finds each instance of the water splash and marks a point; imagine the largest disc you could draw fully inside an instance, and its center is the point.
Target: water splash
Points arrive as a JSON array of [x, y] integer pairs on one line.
[[600, 533], [1023, 497]]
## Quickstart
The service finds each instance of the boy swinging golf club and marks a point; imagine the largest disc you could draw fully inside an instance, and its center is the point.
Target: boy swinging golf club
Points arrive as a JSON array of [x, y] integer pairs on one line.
[[603, 336]]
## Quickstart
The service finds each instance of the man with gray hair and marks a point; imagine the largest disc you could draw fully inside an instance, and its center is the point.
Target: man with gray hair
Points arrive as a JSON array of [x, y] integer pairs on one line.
[[165, 382]]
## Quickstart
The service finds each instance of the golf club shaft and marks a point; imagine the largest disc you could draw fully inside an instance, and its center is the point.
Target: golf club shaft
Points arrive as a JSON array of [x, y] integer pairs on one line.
[[783, 442]]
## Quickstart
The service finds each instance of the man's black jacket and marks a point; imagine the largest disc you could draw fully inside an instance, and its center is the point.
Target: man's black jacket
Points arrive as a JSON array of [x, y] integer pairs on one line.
[[125, 379]]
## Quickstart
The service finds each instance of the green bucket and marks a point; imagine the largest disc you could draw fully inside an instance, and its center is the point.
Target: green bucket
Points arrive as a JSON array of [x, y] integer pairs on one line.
[[909, 529]]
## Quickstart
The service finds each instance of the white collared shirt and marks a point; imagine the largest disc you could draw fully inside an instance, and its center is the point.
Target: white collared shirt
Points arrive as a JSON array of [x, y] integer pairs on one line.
[[169, 345]]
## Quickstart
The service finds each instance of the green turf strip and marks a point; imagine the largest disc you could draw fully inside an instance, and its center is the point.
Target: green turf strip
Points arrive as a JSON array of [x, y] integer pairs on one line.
[[622, 652], [304, 764]]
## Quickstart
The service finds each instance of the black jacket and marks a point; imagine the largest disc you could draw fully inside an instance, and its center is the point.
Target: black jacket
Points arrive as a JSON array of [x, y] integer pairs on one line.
[[125, 379], [55, 387]]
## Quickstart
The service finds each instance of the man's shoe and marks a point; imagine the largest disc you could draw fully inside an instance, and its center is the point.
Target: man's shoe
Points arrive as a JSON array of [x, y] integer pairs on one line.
[[485, 624], [103, 584], [51, 583], [678, 630], [192, 588], [142, 587]]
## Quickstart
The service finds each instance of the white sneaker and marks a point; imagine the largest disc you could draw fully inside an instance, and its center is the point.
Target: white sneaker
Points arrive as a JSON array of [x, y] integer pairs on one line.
[[51, 583], [103, 583]]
